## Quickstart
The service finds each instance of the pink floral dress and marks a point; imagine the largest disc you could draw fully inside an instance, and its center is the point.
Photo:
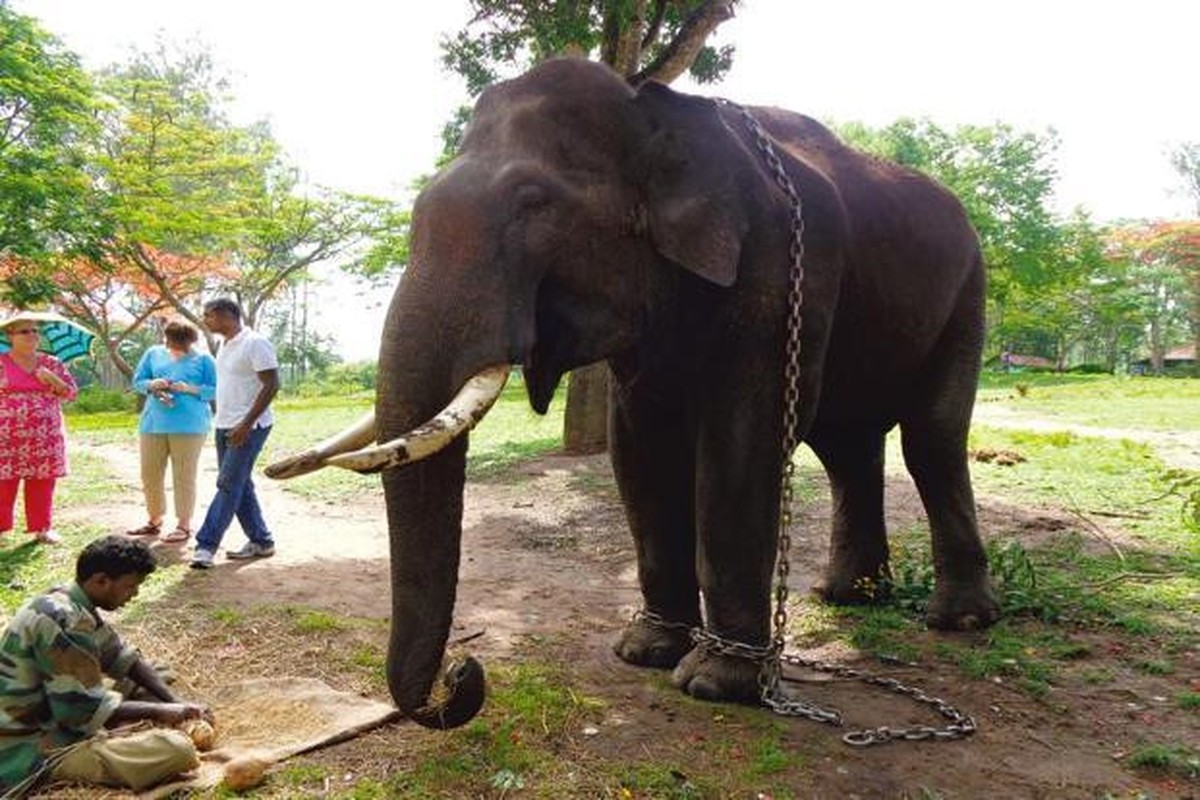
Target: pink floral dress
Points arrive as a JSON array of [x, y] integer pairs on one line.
[[32, 437]]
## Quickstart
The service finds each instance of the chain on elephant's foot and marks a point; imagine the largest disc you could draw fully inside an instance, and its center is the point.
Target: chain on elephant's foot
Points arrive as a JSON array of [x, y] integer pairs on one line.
[[720, 678]]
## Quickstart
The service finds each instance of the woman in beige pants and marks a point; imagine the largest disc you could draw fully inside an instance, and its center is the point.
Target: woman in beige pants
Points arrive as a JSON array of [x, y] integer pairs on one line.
[[179, 385]]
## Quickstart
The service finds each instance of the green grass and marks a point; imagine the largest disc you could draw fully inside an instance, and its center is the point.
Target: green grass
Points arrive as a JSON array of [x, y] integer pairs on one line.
[[1173, 759], [1157, 404]]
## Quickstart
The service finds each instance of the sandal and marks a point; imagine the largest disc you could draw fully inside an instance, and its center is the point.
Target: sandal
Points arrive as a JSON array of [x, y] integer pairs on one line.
[[149, 529], [177, 535]]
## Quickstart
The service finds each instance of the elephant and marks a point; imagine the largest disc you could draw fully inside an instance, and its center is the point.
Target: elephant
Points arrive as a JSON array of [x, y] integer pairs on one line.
[[586, 220]]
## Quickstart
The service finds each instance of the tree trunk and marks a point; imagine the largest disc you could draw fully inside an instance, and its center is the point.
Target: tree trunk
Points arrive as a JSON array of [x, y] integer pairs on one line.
[[585, 425]]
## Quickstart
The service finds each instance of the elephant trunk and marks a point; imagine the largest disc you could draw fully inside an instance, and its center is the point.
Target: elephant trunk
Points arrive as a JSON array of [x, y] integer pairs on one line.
[[425, 520], [423, 364]]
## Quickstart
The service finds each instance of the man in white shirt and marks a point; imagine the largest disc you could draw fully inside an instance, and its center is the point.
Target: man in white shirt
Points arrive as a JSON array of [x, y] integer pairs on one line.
[[247, 381]]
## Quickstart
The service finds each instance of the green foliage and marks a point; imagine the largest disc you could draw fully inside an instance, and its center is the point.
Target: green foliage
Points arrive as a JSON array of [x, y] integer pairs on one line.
[[338, 379], [47, 127], [504, 38], [94, 399]]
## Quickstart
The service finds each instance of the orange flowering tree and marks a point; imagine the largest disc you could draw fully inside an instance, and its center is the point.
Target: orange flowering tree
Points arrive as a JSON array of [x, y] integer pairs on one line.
[[1163, 263]]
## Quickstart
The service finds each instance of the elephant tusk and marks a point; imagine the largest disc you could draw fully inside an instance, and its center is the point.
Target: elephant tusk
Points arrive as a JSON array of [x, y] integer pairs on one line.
[[357, 436], [464, 411]]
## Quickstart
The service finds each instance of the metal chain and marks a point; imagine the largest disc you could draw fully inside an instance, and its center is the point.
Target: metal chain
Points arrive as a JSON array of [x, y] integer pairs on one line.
[[771, 658]]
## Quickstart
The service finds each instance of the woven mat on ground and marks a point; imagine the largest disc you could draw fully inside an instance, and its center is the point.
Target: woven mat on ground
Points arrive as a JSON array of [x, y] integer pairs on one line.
[[275, 719]]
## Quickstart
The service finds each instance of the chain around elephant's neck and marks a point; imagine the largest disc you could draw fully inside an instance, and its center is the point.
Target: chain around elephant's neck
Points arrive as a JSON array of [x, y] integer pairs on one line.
[[769, 677]]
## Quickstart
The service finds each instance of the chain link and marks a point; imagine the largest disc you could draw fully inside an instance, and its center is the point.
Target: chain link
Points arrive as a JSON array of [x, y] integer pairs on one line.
[[772, 657]]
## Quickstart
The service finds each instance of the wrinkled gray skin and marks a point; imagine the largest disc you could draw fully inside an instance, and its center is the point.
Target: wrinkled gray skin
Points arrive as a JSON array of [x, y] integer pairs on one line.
[[583, 220]]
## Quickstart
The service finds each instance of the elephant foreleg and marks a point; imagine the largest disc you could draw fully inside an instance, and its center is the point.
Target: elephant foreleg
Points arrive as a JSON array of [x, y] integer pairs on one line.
[[652, 462], [737, 494]]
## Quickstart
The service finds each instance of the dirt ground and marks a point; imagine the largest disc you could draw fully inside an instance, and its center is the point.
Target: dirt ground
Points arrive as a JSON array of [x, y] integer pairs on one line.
[[547, 558]]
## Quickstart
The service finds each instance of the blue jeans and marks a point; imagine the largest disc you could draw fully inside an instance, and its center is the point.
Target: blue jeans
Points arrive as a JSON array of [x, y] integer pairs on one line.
[[235, 492]]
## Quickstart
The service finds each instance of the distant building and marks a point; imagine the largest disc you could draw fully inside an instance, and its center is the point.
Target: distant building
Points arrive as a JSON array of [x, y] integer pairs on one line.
[[1175, 359]]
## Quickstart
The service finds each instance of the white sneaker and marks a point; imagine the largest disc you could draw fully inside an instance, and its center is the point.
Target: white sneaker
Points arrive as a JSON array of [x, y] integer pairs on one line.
[[202, 559], [252, 550]]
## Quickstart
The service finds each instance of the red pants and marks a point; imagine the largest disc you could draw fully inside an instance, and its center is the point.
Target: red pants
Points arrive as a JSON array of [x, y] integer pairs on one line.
[[39, 503]]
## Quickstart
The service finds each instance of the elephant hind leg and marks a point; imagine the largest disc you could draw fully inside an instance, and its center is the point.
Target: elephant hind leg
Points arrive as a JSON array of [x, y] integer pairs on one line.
[[934, 438], [962, 597], [857, 571]]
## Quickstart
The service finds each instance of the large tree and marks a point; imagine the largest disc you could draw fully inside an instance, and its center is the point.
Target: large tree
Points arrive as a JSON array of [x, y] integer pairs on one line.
[[641, 40], [1162, 260], [47, 124]]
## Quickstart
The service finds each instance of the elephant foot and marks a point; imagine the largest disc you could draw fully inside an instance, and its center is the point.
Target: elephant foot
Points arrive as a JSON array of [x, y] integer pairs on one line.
[[707, 676], [962, 607], [854, 587], [647, 644]]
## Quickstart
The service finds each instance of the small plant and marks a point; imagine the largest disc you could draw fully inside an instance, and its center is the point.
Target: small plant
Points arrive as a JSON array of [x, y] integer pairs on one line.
[[1189, 701], [1153, 667], [1186, 486], [1173, 758], [317, 622], [227, 616], [1022, 389]]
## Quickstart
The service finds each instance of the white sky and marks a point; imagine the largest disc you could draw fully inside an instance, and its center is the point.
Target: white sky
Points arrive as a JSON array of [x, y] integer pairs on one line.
[[355, 93]]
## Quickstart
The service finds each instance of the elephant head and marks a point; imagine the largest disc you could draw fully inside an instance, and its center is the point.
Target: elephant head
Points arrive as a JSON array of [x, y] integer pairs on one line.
[[556, 238]]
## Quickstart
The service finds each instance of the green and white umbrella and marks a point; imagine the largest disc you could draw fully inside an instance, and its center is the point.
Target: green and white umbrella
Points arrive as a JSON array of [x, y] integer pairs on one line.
[[60, 337]]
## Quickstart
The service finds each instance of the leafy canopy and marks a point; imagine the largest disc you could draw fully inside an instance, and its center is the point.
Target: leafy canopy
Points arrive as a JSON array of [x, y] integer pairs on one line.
[[48, 107]]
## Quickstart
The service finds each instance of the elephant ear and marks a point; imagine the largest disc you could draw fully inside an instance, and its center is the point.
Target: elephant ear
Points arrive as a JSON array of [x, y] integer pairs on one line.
[[696, 176]]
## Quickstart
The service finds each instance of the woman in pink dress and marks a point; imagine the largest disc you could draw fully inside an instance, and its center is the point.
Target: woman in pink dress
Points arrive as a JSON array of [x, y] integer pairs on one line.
[[33, 387]]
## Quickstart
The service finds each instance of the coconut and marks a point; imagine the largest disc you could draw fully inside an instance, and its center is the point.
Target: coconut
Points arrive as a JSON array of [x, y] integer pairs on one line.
[[203, 735], [244, 772]]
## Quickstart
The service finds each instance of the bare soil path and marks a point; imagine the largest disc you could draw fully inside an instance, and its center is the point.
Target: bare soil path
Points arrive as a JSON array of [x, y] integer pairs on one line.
[[548, 566]]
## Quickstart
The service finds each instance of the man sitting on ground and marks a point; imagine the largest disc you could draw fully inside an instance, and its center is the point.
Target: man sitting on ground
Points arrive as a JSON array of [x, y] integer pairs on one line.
[[56, 711]]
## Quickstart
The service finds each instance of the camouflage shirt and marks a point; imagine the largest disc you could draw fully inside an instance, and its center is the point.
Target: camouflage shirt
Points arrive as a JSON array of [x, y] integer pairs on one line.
[[54, 654]]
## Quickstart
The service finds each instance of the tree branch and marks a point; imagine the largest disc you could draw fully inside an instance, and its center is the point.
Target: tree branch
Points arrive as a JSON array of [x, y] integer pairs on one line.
[[679, 55], [623, 45], [655, 26]]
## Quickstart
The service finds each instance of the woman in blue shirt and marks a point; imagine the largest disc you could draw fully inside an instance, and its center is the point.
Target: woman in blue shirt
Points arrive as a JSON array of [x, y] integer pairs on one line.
[[179, 385]]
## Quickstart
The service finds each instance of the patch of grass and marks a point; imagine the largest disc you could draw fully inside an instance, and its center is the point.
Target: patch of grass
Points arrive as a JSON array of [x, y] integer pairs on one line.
[[297, 775], [1163, 404], [767, 758], [1174, 759], [369, 657], [309, 621], [532, 714], [658, 781], [227, 616], [1189, 701], [1154, 667], [1097, 675]]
